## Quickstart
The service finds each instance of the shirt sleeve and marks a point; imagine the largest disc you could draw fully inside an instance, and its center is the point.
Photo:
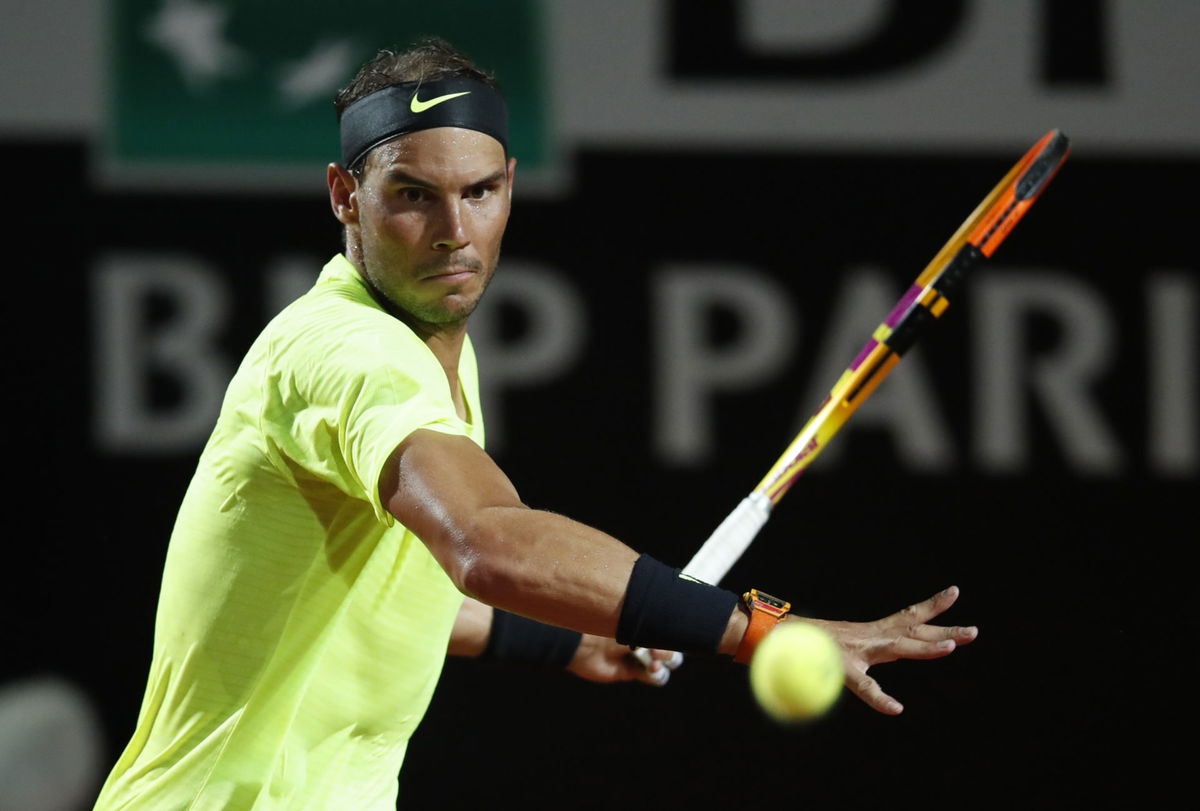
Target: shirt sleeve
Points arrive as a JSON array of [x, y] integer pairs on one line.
[[344, 393]]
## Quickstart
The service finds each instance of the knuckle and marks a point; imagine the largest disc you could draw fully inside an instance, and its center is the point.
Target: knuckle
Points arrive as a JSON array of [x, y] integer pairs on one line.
[[863, 684]]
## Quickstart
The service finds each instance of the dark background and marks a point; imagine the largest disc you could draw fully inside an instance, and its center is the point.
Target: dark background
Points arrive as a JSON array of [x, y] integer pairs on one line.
[[1078, 580]]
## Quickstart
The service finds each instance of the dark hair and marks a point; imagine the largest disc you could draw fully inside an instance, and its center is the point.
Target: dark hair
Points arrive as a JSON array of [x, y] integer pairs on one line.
[[428, 60]]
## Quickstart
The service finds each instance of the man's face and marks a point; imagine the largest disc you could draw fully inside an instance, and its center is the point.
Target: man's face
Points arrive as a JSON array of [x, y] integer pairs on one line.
[[431, 211]]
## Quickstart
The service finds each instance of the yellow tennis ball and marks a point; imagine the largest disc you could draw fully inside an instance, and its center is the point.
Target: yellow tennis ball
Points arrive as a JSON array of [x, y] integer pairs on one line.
[[796, 672]]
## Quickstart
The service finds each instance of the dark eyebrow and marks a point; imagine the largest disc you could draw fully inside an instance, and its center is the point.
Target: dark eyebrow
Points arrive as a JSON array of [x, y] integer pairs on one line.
[[494, 177], [400, 176], [397, 176]]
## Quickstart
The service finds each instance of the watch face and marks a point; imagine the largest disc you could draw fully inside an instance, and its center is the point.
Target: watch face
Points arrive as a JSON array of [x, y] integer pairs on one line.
[[769, 601]]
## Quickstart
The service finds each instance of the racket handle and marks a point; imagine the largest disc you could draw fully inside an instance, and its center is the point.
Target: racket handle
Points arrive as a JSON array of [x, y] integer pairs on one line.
[[730, 539], [717, 556]]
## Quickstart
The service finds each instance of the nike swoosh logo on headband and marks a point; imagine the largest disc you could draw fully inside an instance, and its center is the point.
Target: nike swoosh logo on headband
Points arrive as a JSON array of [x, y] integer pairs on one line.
[[418, 106]]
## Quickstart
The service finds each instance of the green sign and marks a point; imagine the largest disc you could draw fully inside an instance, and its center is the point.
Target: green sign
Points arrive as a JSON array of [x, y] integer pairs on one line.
[[249, 84]]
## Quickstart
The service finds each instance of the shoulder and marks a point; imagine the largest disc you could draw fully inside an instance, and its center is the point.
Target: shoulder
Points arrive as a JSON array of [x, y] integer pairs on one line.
[[338, 323]]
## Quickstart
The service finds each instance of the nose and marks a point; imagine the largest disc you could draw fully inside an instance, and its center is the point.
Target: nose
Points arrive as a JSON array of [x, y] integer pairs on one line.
[[451, 232]]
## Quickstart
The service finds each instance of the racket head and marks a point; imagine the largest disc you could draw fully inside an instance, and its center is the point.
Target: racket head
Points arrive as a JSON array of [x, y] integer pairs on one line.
[[925, 301]]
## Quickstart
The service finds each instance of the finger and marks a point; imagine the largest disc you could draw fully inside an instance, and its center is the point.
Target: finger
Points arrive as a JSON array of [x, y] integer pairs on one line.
[[867, 689], [673, 659], [657, 674], [661, 667], [924, 611], [661, 655], [647, 667], [643, 656], [653, 658], [961, 634], [908, 648]]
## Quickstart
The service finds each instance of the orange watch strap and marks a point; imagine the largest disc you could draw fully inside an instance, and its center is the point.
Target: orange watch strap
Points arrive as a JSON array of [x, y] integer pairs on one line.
[[765, 613]]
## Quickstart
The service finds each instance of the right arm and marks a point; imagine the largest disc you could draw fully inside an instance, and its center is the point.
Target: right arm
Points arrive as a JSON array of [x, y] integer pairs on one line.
[[541, 565], [547, 567]]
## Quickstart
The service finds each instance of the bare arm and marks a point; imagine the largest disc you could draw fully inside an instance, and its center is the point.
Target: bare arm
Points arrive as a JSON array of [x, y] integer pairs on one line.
[[598, 658], [550, 568], [471, 629], [502, 553]]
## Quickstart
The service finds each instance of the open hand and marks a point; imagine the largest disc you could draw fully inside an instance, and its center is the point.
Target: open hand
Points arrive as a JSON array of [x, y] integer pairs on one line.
[[903, 635]]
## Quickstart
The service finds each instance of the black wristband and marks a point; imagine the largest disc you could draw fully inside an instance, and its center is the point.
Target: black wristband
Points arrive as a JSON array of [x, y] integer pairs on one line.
[[517, 640], [664, 609]]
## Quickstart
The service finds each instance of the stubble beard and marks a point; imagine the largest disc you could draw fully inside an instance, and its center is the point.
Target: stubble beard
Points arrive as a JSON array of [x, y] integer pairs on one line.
[[446, 311]]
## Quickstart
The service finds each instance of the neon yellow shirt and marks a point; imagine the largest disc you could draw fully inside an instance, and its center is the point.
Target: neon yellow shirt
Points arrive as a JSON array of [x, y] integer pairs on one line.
[[300, 630]]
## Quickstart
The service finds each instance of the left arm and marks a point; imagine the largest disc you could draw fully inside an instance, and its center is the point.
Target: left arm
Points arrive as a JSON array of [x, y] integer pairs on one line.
[[597, 659], [471, 629]]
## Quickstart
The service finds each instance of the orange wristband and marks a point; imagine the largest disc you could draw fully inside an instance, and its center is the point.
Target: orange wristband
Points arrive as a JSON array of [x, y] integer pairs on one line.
[[765, 613]]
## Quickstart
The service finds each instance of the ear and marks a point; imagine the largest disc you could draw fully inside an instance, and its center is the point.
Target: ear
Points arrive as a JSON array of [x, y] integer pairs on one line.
[[343, 190], [512, 168]]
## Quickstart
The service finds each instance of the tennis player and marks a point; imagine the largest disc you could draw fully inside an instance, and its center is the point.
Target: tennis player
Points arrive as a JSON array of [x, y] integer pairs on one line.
[[345, 529]]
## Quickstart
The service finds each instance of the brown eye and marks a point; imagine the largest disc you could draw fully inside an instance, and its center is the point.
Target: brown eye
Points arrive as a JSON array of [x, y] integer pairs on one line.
[[413, 195]]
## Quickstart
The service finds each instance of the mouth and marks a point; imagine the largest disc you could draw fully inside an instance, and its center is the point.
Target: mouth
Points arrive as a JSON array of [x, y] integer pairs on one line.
[[452, 274], [450, 269]]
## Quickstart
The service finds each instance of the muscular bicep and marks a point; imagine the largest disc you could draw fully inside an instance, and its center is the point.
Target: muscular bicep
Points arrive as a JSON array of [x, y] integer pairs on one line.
[[440, 486], [530, 562]]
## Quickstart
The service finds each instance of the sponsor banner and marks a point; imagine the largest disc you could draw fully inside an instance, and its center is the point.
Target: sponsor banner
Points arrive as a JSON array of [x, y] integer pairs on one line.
[[211, 92], [713, 300], [1118, 75], [221, 92]]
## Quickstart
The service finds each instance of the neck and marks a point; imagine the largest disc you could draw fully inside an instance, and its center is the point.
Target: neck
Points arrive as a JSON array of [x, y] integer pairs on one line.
[[446, 346], [445, 341]]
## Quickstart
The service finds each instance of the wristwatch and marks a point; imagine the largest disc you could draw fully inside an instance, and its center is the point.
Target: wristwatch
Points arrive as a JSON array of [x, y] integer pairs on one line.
[[765, 613]]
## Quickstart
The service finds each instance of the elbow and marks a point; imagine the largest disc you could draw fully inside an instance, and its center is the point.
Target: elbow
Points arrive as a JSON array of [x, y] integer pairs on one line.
[[485, 569], [473, 579]]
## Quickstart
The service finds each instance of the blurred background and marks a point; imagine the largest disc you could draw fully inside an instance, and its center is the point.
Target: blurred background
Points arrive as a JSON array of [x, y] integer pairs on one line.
[[716, 202]]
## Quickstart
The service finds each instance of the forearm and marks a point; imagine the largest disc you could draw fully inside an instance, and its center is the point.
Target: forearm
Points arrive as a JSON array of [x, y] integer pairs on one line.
[[472, 627], [534, 563], [734, 631], [546, 567], [559, 571]]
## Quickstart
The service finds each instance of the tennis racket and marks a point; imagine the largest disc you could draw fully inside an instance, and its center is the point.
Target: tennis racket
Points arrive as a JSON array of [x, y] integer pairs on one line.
[[924, 302]]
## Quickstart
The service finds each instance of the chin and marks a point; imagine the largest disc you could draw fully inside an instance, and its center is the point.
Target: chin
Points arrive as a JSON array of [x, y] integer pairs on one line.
[[445, 313]]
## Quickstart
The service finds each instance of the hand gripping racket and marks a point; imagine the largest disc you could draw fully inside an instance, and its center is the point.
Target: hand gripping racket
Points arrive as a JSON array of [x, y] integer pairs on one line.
[[928, 297]]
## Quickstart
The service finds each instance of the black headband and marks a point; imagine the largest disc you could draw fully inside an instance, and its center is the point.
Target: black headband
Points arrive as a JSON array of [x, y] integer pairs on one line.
[[413, 106]]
